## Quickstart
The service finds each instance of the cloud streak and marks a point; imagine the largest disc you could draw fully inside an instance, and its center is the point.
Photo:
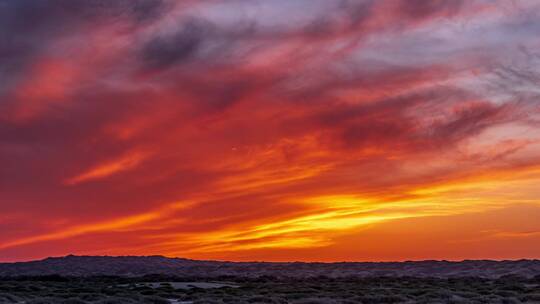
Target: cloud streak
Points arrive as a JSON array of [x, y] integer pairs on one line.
[[289, 128]]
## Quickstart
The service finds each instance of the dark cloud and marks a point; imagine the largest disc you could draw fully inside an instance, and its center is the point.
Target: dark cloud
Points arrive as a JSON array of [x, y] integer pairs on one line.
[[239, 114], [167, 50], [418, 9], [397, 122], [469, 121], [349, 16], [44, 16], [29, 28]]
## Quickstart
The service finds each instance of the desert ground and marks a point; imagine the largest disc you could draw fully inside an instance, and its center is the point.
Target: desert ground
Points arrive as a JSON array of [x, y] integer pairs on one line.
[[162, 280], [116, 290]]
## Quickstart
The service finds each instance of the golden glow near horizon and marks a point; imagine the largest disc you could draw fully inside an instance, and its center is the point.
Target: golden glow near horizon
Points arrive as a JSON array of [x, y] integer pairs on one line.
[[326, 216], [214, 130]]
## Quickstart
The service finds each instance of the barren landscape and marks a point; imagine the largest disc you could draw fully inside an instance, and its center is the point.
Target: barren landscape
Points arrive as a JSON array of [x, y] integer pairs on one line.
[[157, 279], [269, 151], [133, 266]]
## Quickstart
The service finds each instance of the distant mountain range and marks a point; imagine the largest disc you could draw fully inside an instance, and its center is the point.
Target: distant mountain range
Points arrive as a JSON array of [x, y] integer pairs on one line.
[[131, 266]]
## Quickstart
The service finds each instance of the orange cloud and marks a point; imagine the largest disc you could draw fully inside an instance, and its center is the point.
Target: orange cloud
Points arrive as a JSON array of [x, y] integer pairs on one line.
[[290, 137], [119, 224], [124, 163]]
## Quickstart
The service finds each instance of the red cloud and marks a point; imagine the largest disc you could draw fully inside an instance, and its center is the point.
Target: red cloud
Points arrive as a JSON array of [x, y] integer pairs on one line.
[[174, 129]]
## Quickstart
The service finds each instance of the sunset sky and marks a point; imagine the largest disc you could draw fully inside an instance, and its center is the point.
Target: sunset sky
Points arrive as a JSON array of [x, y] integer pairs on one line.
[[277, 130]]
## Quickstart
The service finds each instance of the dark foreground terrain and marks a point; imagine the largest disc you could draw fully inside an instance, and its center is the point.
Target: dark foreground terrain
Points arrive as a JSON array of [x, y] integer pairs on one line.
[[135, 266], [157, 279], [56, 289]]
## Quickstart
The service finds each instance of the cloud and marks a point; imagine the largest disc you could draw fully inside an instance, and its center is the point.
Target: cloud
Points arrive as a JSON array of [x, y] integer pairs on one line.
[[165, 51], [279, 122], [418, 9], [103, 170]]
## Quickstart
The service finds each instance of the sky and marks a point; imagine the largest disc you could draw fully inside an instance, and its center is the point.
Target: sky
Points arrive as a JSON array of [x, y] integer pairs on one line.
[[303, 130]]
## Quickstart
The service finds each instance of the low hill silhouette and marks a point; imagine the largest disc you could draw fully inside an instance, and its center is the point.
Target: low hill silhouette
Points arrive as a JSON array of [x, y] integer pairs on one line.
[[131, 266]]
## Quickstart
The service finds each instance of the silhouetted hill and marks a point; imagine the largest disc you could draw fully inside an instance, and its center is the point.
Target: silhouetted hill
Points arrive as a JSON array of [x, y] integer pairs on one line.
[[144, 265]]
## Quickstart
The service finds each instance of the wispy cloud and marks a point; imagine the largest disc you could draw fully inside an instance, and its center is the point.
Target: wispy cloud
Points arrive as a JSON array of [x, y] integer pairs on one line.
[[285, 124]]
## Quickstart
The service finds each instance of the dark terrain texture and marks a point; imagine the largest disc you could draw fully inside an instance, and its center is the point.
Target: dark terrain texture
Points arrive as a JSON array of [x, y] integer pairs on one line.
[[111, 290], [156, 279], [131, 266]]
